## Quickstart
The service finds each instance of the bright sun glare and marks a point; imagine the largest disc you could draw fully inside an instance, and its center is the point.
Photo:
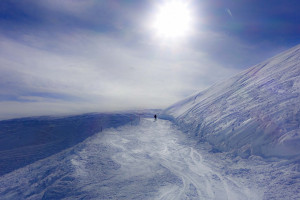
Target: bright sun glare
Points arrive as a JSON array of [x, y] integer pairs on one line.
[[173, 20]]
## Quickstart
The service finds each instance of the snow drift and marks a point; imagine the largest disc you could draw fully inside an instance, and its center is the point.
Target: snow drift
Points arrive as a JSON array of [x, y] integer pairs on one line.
[[256, 112], [26, 140]]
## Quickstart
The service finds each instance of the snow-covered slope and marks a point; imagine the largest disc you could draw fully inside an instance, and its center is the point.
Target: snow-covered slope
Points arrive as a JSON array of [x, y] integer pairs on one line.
[[151, 160], [26, 140], [257, 112]]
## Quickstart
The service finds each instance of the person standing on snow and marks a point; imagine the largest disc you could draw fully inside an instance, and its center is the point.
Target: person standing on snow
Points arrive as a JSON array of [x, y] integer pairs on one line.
[[155, 117]]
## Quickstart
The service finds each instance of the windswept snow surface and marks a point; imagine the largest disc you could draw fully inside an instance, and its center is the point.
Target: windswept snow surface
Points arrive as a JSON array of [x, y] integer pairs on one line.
[[152, 160], [257, 112], [26, 140]]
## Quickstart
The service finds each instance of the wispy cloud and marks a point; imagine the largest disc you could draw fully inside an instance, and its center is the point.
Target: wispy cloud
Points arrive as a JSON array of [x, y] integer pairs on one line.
[[229, 12], [94, 72], [73, 56]]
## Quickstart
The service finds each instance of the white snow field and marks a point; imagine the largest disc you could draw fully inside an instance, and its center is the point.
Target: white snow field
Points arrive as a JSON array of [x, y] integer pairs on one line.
[[151, 160], [257, 112]]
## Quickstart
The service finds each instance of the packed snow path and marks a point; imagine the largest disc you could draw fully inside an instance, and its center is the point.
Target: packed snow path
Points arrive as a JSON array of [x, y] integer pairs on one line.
[[152, 160], [148, 161]]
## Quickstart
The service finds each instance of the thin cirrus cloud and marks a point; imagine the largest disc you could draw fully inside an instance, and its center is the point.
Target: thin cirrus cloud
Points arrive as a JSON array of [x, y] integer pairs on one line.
[[95, 73], [67, 57]]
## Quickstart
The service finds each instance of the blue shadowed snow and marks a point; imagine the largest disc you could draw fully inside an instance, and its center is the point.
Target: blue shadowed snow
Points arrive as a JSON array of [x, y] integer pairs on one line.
[[24, 141]]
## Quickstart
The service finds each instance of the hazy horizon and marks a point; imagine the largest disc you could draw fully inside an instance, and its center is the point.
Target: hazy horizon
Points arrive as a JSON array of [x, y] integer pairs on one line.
[[72, 57]]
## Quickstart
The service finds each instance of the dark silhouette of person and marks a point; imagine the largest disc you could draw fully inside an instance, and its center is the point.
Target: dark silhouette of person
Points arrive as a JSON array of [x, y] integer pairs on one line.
[[155, 117]]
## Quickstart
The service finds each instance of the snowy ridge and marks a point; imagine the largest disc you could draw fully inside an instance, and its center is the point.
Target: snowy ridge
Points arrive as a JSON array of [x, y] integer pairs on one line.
[[257, 112], [26, 140]]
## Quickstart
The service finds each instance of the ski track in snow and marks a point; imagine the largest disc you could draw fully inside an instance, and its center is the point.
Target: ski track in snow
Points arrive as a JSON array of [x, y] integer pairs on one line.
[[152, 160], [142, 151]]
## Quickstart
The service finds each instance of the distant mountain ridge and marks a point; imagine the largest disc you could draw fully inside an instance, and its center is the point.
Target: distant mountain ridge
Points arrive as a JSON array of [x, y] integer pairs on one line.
[[256, 112]]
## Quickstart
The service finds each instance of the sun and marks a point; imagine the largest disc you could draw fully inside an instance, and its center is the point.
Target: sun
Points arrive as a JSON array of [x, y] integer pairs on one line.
[[173, 20]]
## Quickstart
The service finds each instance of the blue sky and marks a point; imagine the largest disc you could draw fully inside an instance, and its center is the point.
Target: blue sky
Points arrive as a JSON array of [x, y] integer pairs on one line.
[[74, 56]]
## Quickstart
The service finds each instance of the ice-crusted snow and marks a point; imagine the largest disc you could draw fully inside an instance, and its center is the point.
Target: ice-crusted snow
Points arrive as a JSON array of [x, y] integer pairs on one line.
[[152, 160], [257, 112]]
